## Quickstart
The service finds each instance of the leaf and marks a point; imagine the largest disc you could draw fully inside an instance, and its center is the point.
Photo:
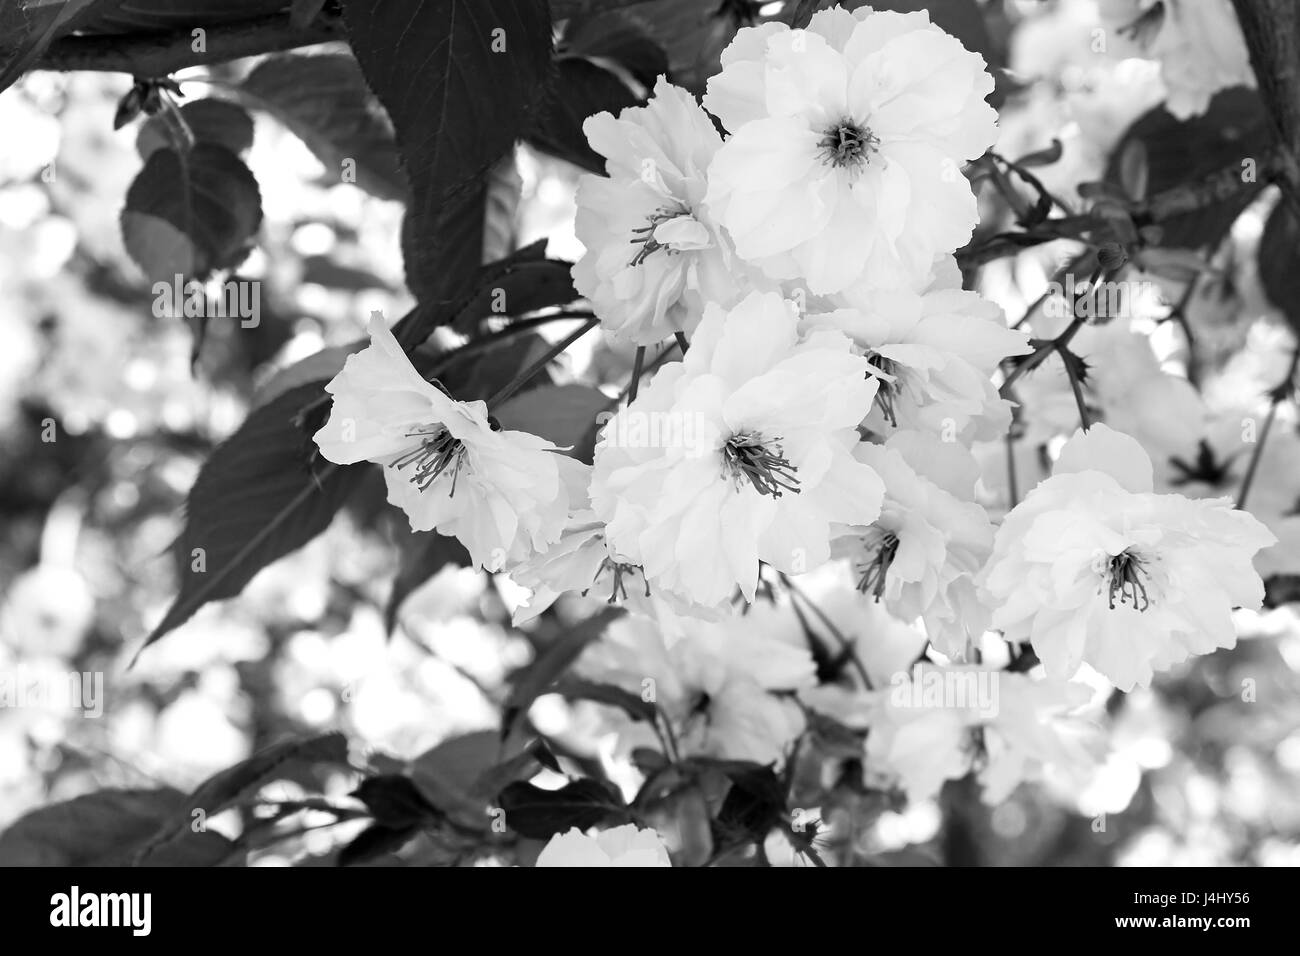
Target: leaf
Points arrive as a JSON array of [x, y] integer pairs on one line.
[[502, 201], [551, 663], [255, 500], [754, 806], [1279, 262], [573, 688], [323, 100], [459, 79], [193, 216], [373, 842], [423, 554], [316, 369], [161, 16], [452, 775], [691, 33], [1182, 153], [540, 814], [220, 122], [581, 89], [625, 42], [563, 414], [106, 828], [234, 784], [394, 801], [27, 29]]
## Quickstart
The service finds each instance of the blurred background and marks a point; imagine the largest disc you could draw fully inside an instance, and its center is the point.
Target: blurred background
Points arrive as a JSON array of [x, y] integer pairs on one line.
[[90, 503]]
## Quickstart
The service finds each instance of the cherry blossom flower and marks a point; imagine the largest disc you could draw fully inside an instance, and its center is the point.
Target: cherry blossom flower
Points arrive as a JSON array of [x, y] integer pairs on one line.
[[504, 494], [847, 141], [1198, 42], [724, 687], [934, 354], [764, 474], [922, 554], [654, 256], [1093, 567], [618, 846], [936, 723]]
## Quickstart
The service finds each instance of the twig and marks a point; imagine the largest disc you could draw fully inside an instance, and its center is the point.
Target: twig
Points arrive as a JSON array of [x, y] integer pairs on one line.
[[154, 55], [523, 377], [1277, 396]]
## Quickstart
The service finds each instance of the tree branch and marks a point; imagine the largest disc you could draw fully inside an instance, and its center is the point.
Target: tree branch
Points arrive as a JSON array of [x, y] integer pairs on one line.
[[1272, 31], [154, 55]]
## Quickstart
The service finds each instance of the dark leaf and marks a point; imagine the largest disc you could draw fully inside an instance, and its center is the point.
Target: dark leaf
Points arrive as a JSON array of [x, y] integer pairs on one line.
[[1233, 130], [26, 29], [373, 842], [581, 89], [459, 79], [625, 42], [106, 828], [209, 120], [191, 214], [1279, 262], [753, 807], [394, 801], [563, 414], [540, 814], [323, 100], [255, 501]]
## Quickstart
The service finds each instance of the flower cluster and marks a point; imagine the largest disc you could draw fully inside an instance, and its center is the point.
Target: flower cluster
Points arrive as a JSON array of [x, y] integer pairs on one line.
[[834, 381]]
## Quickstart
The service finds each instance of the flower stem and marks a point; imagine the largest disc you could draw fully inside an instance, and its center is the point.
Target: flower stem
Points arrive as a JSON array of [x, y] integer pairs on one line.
[[1075, 385], [523, 377], [637, 364], [681, 340]]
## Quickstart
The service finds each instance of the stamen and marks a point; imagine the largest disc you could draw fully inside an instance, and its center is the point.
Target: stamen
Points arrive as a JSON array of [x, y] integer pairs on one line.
[[748, 456], [1125, 572], [875, 571], [645, 236], [437, 452], [848, 144], [889, 389], [618, 569]]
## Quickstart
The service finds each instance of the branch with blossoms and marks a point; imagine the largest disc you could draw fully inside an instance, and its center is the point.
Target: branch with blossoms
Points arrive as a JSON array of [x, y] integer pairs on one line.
[[769, 530]]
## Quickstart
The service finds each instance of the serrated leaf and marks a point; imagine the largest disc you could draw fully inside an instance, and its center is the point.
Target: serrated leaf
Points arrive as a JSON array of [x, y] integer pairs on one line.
[[191, 214], [540, 814], [453, 775], [581, 89], [459, 79], [323, 100], [255, 500], [210, 120]]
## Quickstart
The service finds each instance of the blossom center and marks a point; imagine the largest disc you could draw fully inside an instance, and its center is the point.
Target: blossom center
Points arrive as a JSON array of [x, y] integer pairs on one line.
[[645, 235], [889, 389], [748, 456], [1125, 573], [848, 145], [874, 572], [438, 450]]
